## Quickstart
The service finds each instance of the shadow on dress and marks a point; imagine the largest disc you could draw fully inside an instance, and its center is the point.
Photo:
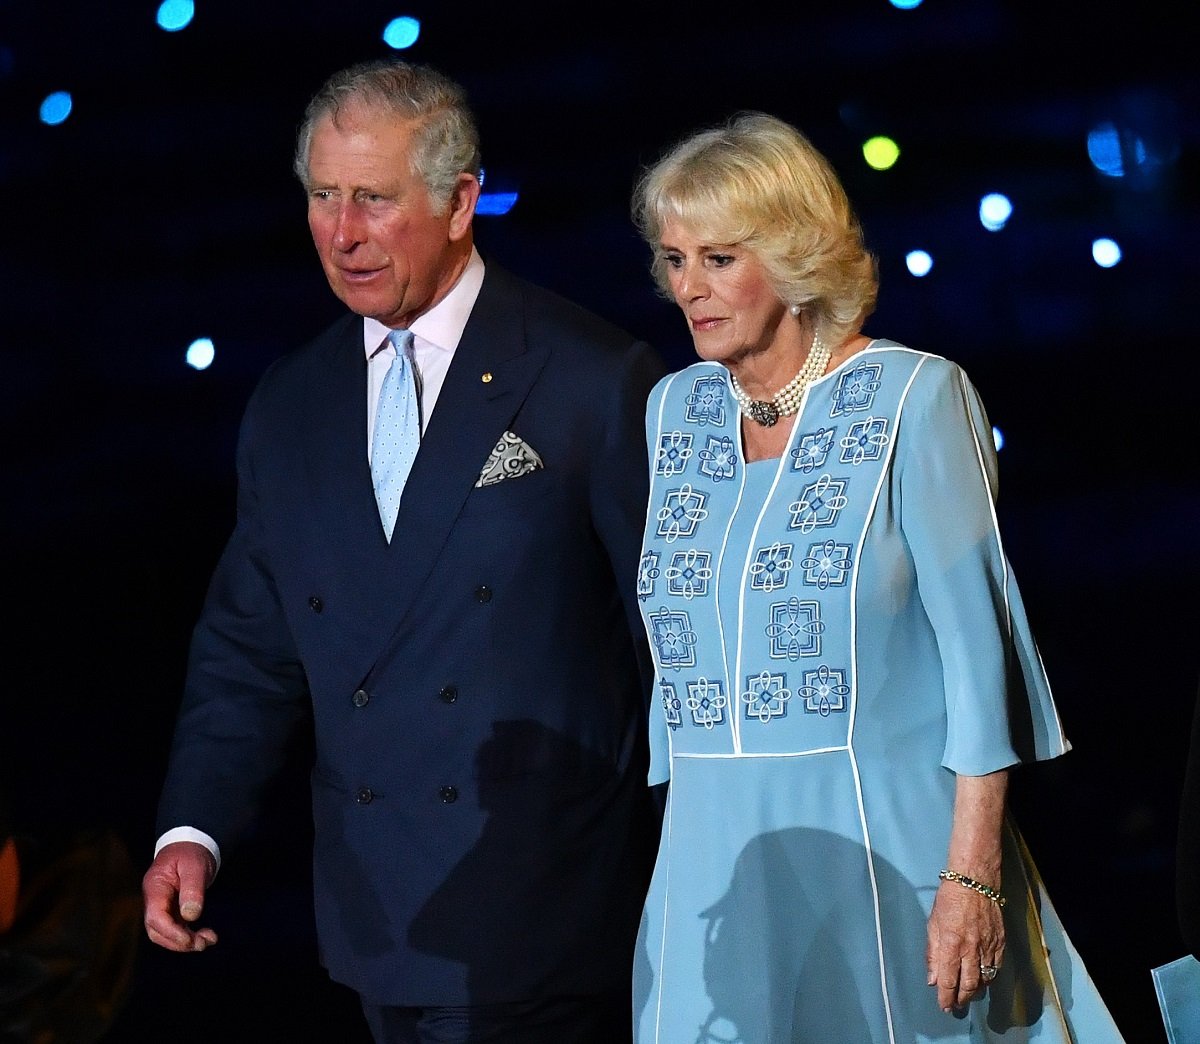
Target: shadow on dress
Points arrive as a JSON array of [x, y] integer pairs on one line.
[[804, 965]]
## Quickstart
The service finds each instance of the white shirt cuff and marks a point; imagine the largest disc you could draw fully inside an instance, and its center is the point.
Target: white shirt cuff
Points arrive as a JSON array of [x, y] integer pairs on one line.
[[190, 834]]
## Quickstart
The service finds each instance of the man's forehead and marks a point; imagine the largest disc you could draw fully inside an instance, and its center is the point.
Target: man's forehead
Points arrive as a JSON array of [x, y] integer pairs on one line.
[[371, 148]]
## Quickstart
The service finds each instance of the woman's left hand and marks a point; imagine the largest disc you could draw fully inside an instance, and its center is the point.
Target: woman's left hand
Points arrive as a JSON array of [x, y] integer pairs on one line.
[[965, 934]]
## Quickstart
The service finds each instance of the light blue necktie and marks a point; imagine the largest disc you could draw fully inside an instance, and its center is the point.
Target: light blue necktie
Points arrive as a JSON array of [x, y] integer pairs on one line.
[[397, 433]]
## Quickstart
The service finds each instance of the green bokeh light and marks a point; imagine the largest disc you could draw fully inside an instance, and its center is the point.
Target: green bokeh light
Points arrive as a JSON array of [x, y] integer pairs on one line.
[[881, 152]]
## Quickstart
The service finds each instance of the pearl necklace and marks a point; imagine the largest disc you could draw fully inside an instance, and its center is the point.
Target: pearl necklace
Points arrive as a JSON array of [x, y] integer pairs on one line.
[[786, 401]]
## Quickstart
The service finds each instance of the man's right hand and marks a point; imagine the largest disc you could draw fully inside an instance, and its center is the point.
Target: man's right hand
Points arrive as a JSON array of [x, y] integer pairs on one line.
[[173, 897]]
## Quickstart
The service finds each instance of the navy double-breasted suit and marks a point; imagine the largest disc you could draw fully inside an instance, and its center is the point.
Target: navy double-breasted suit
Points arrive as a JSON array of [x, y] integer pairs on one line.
[[478, 687]]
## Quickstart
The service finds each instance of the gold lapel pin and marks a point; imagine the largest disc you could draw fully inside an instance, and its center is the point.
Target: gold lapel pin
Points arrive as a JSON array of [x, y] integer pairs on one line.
[[486, 378]]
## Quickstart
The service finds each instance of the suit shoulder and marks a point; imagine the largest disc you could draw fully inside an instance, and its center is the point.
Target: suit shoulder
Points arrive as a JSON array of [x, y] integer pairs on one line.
[[321, 350], [549, 314]]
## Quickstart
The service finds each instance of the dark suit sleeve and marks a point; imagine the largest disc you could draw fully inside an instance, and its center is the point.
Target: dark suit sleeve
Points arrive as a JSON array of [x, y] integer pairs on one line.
[[245, 689], [1187, 850], [621, 482]]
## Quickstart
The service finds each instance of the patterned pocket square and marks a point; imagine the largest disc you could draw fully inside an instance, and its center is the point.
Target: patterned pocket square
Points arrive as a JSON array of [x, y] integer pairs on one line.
[[512, 458]]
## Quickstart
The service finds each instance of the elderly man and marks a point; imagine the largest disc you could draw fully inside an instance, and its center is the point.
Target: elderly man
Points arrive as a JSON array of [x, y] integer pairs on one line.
[[440, 505]]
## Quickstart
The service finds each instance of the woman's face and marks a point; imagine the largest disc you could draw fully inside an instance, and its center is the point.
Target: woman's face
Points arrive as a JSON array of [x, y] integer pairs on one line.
[[725, 294]]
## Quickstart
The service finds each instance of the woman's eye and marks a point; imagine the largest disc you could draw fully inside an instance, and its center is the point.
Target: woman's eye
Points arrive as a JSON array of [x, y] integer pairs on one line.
[[673, 260], [721, 260]]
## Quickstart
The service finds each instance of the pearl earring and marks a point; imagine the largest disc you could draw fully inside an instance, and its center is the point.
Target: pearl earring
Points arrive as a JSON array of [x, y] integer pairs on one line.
[[795, 309]]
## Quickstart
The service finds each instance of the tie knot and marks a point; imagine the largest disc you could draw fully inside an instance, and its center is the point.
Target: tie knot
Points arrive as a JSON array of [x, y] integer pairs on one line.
[[402, 341]]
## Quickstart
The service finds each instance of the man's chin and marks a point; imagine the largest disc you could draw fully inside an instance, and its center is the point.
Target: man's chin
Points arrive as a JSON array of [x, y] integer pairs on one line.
[[365, 304]]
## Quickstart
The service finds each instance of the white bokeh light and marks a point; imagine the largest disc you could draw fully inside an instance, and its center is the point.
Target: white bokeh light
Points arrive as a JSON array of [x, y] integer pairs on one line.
[[200, 353]]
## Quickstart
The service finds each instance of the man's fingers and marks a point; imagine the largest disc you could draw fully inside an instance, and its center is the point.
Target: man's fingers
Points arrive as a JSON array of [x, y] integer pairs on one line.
[[190, 907], [173, 896], [181, 940]]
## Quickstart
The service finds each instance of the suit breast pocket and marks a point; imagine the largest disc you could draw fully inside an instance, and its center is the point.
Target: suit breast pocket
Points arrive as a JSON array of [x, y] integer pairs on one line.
[[522, 495]]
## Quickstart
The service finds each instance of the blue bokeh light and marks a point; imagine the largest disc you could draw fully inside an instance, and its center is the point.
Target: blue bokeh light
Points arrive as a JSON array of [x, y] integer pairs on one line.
[[200, 353], [1105, 252], [493, 203], [174, 15], [400, 33], [1104, 149], [994, 211], [998, 438], [919, 262], [56, 107]]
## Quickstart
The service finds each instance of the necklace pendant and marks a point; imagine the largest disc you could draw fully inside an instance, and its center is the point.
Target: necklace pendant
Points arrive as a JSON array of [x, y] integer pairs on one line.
[[765, 413]]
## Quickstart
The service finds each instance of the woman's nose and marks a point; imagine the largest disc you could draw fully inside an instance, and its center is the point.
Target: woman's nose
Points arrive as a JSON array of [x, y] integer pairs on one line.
[[691, 284]]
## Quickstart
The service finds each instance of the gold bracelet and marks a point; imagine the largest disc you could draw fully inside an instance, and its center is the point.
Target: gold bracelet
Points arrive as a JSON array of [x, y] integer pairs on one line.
[[967, 882]]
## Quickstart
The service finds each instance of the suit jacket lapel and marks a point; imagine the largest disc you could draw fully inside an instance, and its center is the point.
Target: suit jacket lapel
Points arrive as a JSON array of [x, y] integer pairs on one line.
[[340, 473]]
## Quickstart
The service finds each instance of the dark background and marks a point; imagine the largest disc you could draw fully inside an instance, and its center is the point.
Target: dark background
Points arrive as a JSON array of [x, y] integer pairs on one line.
[[164, 209]]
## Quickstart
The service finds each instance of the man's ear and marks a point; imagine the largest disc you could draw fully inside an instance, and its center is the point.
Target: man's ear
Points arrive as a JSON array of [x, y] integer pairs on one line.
[[462, 205]]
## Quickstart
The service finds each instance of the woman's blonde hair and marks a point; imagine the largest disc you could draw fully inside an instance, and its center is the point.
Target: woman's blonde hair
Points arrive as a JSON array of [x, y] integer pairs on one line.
[[759, 183]]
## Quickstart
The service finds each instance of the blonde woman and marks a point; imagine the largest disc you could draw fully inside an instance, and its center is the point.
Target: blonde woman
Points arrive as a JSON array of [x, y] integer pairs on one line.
[[845, 673]]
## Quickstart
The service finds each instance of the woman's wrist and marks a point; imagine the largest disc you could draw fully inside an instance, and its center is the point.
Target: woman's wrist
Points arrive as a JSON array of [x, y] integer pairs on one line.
[[986, 890]]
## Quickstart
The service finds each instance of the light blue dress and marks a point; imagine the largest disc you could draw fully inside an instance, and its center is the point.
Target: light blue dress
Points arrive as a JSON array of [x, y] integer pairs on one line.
[[836, 634]]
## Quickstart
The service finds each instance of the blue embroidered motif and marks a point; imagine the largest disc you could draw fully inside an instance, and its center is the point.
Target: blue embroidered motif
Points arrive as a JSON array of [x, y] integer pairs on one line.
[[819, 504], [674, 450], [682, 511], [813, 449], [827, 565], [865, 440], [718, 460], [856, 388], [673, 638], [795, 629], [672, 705], [647, 574], [766, 696], [706, 403], [771, 566], [707, 702], [689, 573], [824, 691]]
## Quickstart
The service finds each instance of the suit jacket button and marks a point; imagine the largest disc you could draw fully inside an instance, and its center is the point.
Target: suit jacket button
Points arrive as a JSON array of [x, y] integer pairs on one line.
[[483, 593], [361, 698], [315, 604], [364, 796], [448, 694], [449, 795]]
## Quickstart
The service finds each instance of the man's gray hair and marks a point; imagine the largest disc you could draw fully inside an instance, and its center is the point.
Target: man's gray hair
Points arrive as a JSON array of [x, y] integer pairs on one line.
[[446, 142]]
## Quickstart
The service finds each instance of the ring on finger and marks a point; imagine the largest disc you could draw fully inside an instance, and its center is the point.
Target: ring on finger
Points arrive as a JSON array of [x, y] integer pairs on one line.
[[988, 972]]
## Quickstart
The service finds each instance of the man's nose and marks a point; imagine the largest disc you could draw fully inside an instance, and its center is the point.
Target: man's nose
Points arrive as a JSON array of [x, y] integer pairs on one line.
[[350, 229]]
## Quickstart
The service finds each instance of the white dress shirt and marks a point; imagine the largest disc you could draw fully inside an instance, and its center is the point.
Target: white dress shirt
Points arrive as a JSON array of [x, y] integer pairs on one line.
[[435, 336]]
